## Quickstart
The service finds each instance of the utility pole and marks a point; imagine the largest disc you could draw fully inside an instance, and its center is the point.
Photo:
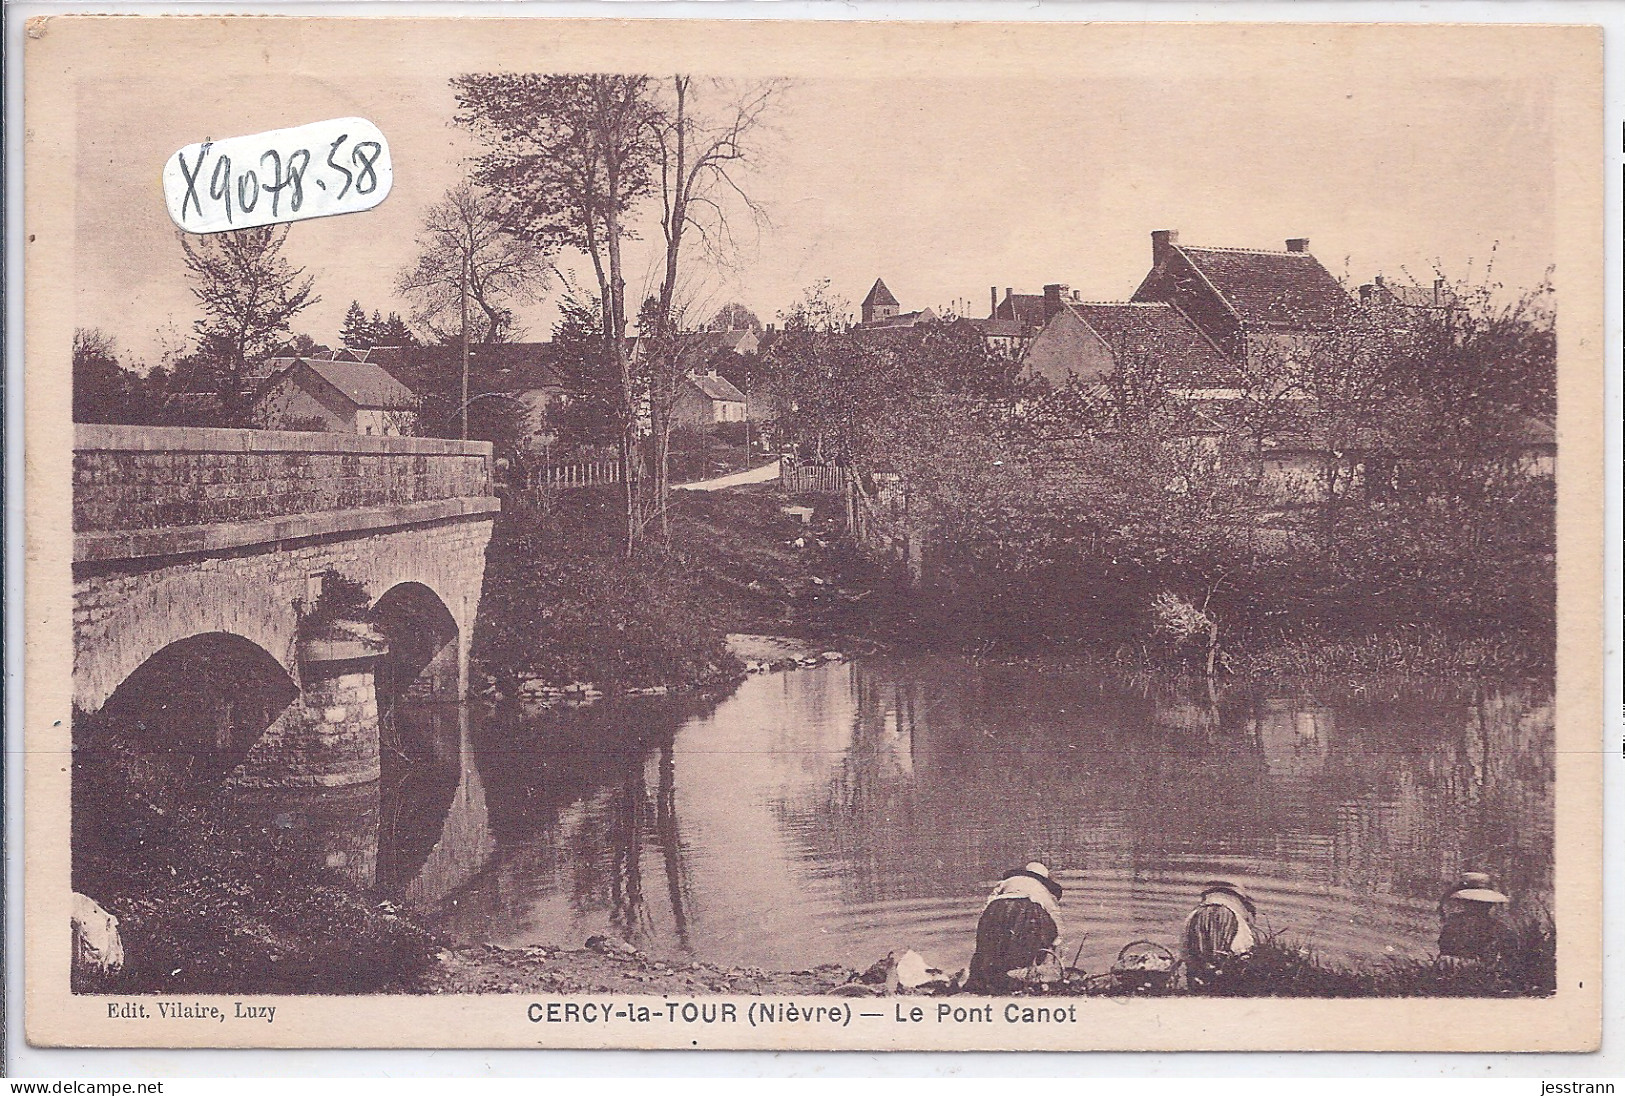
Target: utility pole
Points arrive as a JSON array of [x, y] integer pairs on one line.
[[464, 284]]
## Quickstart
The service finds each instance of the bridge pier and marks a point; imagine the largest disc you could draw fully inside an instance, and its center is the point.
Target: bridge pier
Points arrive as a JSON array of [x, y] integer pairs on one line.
[[328, 737]]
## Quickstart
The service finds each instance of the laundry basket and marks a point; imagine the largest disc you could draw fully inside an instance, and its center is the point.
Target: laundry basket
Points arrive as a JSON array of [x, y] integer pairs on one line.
[[1144, 967]]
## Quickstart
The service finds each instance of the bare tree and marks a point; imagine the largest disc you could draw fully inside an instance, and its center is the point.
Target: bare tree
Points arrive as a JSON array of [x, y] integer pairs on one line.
[[464, 243], [249, 292], [569, 156], [700, 152]]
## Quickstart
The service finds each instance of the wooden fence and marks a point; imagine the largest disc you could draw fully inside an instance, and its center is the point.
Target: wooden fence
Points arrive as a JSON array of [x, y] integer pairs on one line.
[[817, 479], [568, 477]]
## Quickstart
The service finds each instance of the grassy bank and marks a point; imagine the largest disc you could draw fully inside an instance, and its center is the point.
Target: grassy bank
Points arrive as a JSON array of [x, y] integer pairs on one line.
[[1122, 638], [1285, 968], [563, 603]]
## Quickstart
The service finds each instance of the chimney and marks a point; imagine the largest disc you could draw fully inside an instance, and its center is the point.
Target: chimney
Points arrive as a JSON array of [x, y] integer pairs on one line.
[[993, 299], [1365, 293], [1053, 295], [1438, 291], [1161, 242], [1301, 243]]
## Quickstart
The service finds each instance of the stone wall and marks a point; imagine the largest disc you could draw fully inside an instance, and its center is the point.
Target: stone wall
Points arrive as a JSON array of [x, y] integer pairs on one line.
[[128, 477], [327, 738], [124, 613], [186, 532]]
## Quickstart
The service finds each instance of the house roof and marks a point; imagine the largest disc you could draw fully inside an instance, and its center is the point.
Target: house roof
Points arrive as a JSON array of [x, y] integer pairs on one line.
[[1027, 308], [363, 383], [900, 321], [1187, 358], [713, 387], [1437, 295], [879, 294], [708, 344], [697, 347], [1269, 287], [999, 327]]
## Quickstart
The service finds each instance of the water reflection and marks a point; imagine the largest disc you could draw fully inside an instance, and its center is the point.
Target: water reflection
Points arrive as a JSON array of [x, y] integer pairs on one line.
[[834, 813]]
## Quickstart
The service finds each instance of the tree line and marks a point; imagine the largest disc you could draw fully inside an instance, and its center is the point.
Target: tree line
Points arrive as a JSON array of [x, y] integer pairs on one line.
[[1385, 468], [569, 163]]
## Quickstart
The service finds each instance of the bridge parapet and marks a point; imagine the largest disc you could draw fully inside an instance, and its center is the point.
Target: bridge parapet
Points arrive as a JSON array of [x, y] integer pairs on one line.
[[141, 491]]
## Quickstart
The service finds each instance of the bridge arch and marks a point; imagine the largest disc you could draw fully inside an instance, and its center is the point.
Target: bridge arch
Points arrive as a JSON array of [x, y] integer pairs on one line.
[[189, 713], [425, 648], [126, 619]]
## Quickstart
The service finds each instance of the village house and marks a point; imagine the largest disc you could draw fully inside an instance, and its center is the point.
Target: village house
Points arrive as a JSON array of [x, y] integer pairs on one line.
[[1438, 297], [1213, 312], [523, 374], [705, 400], [337, 396], [1247, 302], [1083, 341], [1206, 321], [700, 349], [1026, 309], [1006, 338], [1012, 323]]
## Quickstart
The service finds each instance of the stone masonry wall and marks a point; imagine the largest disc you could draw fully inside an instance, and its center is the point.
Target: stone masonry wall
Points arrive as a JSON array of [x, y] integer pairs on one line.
[[327, 738], [150, 477], [124, 615]]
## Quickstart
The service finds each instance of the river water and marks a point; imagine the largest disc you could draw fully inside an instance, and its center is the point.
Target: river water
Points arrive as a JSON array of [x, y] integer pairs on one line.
[[835, 813]]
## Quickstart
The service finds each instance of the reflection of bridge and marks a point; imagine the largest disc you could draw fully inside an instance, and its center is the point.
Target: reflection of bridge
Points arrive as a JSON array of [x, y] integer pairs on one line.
[[200, 554]]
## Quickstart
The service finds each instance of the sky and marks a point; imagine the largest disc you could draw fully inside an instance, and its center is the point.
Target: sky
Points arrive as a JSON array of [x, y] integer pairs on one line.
[[943, 185]]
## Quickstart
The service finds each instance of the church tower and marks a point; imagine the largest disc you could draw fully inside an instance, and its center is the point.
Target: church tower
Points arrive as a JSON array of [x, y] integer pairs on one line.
[[879, 304]]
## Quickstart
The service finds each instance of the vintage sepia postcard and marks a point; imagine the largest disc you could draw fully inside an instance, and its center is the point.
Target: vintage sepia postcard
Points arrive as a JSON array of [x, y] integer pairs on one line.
[[813, 535]]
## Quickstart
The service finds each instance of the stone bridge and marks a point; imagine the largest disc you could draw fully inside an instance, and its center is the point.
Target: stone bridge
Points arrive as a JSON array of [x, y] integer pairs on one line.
[[245, 602]]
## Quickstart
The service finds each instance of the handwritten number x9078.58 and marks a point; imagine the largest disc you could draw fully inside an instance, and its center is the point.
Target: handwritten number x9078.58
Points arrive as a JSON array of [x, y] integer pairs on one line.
[[244, 190]]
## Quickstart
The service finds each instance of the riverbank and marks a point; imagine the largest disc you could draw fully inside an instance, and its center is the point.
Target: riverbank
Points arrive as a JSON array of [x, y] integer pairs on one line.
[[207, 905], [1412, 659], [608, 966], [1279, 969], [562, 605]]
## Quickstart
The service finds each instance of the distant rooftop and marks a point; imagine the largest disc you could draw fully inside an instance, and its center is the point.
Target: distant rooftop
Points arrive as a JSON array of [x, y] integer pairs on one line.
[[1269, 287], [714, 387], [879, 295], [364, 384]]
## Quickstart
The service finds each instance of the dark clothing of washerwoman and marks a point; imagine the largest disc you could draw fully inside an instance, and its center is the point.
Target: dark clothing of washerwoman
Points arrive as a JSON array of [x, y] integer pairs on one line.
[[1470, 925], [1018, 930], [1218, 938]]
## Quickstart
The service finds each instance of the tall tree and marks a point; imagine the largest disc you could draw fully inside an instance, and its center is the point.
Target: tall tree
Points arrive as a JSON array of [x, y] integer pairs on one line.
[[591, 416], [356, 331], [249, 292], [395, 332], [104, 389], [463, 244], [569, 156], [303, 345], [735, 317], [701, 149]]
